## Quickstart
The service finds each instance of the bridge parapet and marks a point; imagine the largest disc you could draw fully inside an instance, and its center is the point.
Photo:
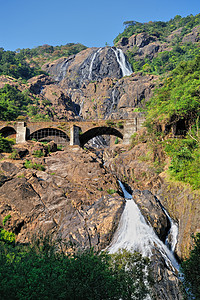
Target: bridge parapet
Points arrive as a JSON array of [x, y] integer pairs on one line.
[[77, 132]]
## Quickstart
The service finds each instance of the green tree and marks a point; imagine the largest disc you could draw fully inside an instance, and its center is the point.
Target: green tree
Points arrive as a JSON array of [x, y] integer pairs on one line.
[[12, 103], [5, 145], [191, 270], [41, 271]]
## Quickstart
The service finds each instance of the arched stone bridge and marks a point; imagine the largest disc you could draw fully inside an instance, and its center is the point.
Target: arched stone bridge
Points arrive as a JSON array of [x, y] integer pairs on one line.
[[74, 133]]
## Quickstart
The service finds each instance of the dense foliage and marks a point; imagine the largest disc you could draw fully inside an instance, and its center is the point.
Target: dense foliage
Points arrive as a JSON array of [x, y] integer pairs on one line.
[[160, 29], [38, 271], [26, 63], [5, 144], [185, 161], [176, 106], [42, 54], [179, 97], [12, 103], [191, 270], [15, 65], [164, 61]]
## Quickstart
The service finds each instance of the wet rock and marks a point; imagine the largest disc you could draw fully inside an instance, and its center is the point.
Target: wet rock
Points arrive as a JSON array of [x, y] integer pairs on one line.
[[152, 212], [166, 282]]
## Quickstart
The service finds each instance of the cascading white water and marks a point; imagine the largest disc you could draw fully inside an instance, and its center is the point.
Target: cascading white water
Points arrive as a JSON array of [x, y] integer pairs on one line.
[[81, 106], [124, 65], [92, 62], [172, 237], [134, 234]]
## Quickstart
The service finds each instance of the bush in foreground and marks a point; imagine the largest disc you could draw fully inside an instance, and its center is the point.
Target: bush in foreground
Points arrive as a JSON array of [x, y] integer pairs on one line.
[[38, 271]]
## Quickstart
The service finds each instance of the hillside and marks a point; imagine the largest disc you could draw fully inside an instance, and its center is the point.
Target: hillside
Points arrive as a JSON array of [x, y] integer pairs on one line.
[[74, 195]]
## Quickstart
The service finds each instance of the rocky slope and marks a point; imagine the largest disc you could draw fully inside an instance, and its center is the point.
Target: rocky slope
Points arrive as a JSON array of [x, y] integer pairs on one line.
[[138, 169], [77, 200]]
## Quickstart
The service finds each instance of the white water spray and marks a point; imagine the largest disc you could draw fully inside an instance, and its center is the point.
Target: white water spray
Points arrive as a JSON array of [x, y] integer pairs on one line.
[[134, 234], [172, 237], [124, 65], [92, 62]]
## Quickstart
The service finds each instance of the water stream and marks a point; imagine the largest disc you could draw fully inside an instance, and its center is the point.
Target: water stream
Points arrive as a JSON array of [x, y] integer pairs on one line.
[[92, 62], [134, 234], [123, 63]]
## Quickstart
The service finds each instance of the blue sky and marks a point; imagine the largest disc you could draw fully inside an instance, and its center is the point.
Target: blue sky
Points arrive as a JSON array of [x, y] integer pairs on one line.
[[28, 24]]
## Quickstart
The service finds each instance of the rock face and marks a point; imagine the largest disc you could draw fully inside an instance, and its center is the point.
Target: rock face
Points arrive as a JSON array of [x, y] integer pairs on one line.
[[71, 199], [90, 64], [114, 99]]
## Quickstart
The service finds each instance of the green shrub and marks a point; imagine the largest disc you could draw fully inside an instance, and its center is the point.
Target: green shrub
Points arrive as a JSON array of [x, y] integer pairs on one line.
[[29, 165], [6, 219], [38, 153], [111, 191], [5, 145], [39, 271], [6, 236], [191, 270], [14, 154]]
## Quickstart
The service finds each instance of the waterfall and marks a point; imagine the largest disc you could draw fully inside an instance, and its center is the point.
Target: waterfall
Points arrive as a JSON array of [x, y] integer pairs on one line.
[[134, 234], [92, 62], [124, 65], [172, 236], [62, 70]]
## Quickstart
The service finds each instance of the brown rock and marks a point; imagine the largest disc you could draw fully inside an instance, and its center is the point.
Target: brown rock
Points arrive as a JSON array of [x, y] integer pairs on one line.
[[71, 200]]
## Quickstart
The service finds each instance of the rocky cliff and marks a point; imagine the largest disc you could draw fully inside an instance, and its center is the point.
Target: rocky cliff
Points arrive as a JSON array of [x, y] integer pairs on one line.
[[78, 200]]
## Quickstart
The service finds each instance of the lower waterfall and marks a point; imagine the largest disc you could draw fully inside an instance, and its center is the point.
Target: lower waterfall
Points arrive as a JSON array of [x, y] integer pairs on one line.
[[134, 234]]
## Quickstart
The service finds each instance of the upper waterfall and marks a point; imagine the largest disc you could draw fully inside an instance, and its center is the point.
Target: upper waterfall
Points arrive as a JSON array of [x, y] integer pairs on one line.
[[92, 62], [124, 64]]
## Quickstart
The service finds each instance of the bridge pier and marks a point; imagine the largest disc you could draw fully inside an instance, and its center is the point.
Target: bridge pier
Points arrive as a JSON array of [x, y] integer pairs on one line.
[[130, 127], [74, 135], [21, 133]]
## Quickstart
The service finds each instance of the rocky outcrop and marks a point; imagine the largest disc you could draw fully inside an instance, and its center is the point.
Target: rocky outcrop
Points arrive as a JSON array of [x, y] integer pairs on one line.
[[73, 199], [183, 205], [90, 64], [193, 36], [111, 98], [77, 201], [143, 45]]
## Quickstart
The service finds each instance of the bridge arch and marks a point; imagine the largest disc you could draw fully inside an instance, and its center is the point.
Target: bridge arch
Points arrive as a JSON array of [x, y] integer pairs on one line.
[[49, 134], [8, 131], [96, 131]]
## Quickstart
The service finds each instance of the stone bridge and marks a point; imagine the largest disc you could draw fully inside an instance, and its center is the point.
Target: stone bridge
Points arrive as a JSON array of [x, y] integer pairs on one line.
[[73, 133]]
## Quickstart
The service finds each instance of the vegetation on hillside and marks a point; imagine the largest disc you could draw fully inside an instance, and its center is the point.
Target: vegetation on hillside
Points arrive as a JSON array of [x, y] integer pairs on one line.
[[26, 63], [38, 56], [159, 31], [175, 107], [191, 270], [5, 144], [164, 61], [13, 103], [15, 65]]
